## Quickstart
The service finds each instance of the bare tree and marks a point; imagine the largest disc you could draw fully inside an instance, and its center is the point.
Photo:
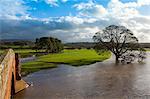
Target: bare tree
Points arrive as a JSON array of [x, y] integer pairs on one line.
[[120, 41]]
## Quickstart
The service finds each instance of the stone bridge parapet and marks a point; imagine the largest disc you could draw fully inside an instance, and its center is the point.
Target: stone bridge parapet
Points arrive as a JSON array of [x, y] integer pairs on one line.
[[10, 78]]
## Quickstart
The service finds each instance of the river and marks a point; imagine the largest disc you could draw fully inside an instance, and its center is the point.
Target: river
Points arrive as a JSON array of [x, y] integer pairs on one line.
[[102, 80]]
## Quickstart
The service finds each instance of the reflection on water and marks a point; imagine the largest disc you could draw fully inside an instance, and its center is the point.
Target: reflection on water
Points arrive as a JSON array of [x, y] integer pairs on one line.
[[97, 81]]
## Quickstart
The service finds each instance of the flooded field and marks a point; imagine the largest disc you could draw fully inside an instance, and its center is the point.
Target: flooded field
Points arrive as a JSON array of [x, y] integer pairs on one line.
[[103, 80]]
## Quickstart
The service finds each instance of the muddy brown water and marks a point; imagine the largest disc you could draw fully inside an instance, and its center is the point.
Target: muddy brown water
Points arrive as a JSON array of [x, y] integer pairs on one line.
[[102, 80]]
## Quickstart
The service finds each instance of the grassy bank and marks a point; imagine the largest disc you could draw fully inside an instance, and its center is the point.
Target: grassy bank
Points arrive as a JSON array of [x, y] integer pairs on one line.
[[71, 57]]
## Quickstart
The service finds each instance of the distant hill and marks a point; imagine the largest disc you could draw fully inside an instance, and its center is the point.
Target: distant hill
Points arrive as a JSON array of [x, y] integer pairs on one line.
[[10, 43], [68, 45], [80, 45], [145, 45], [14, 40], [92, 44]]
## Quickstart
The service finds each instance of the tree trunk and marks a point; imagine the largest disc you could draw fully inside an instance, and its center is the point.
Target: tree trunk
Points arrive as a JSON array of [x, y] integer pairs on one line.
[[117, 59]]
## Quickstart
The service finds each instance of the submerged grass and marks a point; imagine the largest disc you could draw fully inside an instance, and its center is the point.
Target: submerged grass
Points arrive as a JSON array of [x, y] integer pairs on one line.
[[72, 57], [34, 66], [75, 57]]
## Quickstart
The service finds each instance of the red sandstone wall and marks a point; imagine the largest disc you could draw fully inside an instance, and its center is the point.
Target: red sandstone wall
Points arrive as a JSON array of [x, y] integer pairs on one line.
[[9, 63]]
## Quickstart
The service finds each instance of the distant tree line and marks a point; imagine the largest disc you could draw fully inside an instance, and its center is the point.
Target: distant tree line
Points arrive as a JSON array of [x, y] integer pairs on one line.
[[19, 44], [88, 45], [49, 44], [80, 45]]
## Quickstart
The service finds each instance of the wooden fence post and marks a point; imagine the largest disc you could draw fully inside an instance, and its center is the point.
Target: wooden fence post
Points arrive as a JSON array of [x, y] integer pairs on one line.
[[17, 67]]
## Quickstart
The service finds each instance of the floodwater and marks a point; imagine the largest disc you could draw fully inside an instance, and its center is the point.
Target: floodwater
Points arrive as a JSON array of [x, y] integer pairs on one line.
[[102, 80], [27, 59]]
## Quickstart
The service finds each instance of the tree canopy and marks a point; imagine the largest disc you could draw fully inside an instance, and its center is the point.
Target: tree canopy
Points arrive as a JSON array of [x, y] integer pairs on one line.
[[121, 42], [50, 44]]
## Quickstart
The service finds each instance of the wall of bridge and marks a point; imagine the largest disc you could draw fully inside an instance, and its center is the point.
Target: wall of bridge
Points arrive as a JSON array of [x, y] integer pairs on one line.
[[9, 73]]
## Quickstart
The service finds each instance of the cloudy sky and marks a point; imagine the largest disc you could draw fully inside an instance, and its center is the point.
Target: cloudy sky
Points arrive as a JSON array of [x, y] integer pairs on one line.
[[72, 20]]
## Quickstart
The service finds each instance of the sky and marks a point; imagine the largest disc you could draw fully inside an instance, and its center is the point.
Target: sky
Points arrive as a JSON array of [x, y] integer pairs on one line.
[[72, 20]]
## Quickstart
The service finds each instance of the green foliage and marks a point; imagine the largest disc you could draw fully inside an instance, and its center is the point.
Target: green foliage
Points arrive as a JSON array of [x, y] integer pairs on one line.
[[50, 44]]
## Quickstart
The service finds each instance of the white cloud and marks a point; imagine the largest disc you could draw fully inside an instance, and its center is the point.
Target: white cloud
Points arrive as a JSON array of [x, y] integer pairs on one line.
[[12, 8], [91, 18], [55, 2], [52, 2], [143, 2], [90, 8], [72, 19], [82, 6], [66, 28], [119, 13], [128, 14]]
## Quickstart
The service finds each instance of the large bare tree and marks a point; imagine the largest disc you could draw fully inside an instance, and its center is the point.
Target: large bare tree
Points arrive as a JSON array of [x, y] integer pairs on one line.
[[120, 41]]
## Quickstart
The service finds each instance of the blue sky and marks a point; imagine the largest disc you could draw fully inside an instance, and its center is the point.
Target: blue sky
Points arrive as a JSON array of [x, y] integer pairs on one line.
[[41, 9], [72, 20]]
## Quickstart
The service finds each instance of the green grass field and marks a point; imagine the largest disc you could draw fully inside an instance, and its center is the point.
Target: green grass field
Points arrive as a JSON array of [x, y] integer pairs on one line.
[[71, 57], [75, 57]]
